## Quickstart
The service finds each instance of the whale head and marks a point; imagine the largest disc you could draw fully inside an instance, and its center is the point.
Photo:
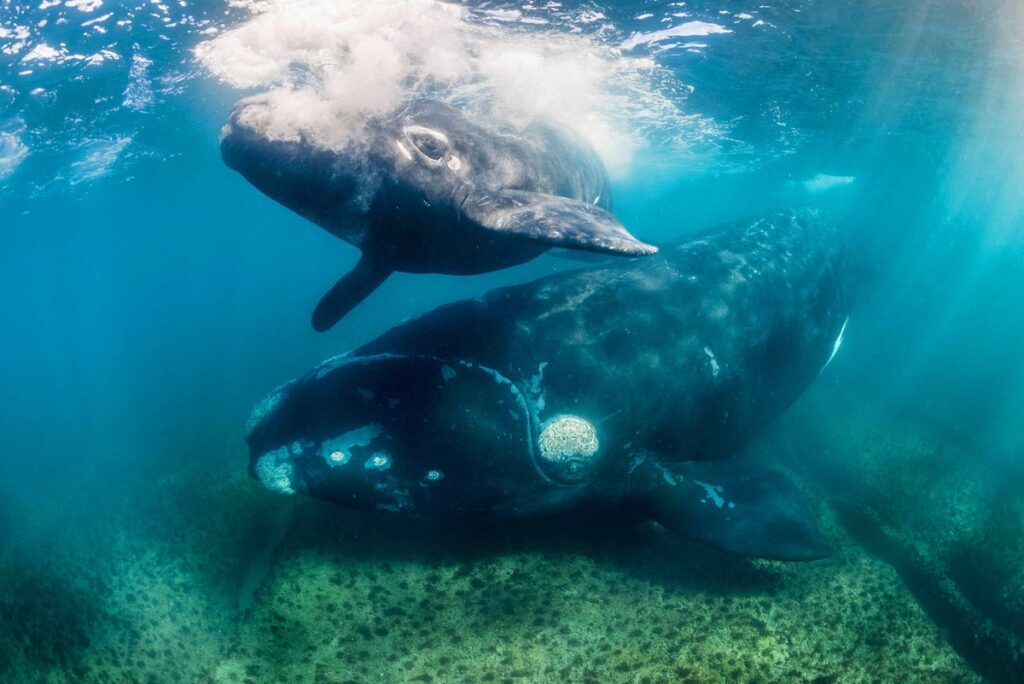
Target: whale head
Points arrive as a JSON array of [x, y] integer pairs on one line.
[[397, 183], [286, 164], [400, 433], [427, 188]]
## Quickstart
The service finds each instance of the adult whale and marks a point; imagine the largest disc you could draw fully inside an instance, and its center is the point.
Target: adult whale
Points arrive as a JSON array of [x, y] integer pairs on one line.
[[425, 189], [629, 384]]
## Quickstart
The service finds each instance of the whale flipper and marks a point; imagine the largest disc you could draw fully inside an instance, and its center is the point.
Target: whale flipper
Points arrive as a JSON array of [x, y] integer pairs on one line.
[[345, 295], [554, 220], [740, 508]]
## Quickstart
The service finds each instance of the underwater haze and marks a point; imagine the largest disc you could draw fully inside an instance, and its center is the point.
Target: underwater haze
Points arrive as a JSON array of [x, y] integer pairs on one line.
[[151, 297]]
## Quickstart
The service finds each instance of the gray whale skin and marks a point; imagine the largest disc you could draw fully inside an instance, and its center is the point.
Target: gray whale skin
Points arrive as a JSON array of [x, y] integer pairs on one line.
[[426, 189], [624, 385]]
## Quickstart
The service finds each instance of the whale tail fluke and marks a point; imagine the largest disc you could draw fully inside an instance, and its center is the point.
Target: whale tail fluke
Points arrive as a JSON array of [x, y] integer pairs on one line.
[[740, 508], [348, 292]]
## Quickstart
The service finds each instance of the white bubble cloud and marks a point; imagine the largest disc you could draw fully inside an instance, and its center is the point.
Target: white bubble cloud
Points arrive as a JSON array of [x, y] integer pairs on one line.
[[12, 152], [333, 63]]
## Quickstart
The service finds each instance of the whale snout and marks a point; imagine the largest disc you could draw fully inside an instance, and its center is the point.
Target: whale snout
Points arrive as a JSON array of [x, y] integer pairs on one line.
[[245, 133], [250, 116], [396, 433]]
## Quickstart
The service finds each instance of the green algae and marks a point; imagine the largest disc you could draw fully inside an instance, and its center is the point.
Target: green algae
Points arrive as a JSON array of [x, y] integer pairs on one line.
[[950, 522], [161, 596], [633, 605]]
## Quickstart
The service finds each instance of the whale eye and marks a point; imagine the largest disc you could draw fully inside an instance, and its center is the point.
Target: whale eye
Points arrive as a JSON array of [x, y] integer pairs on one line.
[[430, 144]]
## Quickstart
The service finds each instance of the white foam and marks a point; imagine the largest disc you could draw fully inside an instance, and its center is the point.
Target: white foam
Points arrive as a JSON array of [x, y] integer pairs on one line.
[[333, 63], [138, 94], [99, 158], [12, 152], [686, 30], [42, 53], [98, 20], [84, 5]]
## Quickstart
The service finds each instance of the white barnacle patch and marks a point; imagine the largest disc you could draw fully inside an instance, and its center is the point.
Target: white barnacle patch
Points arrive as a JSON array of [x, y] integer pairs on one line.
[[568, 445], [433, 476], [713, 361], [276, 471], [454, 163], [338, 451], [379, 461], [447, 372], [713, 492]]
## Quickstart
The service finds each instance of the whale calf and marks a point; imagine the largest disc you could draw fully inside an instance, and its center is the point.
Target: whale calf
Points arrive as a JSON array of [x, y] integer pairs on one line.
[[426, 189], [626, 385]]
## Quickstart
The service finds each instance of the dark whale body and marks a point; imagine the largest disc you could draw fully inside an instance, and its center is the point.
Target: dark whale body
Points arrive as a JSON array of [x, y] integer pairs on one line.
[[426, 189], [628, 384]]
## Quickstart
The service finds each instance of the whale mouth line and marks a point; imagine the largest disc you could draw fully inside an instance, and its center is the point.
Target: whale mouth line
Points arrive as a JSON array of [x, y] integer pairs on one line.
[[524, 402]]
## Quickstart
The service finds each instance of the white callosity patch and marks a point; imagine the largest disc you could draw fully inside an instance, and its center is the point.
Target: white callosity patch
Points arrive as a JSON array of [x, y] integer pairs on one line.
[[379, 461], [714, 493], [338, 451], [568, 445], [332, 64], [276, 471], [535, 390], [264, 408]]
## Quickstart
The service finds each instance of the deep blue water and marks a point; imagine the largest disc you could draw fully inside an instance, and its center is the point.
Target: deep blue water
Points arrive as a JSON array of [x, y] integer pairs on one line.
[[149, 296], [152, 293]]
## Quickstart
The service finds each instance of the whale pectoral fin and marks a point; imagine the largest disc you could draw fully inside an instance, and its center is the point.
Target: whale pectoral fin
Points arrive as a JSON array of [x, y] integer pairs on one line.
[[556, 221], [351, 288], [740, 508]]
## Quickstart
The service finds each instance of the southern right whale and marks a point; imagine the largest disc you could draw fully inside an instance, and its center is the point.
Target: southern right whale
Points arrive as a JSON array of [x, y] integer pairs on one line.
[[626, 385], [426, 189]]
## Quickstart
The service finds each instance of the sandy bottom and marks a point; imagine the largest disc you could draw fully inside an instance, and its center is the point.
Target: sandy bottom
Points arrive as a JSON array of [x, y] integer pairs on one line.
[[204, 577]]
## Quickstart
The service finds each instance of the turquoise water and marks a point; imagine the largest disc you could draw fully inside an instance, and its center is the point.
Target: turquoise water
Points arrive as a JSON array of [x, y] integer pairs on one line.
[[151, 296]]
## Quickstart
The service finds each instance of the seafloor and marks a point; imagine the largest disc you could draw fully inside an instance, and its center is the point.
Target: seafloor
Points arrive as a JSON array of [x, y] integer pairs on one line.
[[204, 577]]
